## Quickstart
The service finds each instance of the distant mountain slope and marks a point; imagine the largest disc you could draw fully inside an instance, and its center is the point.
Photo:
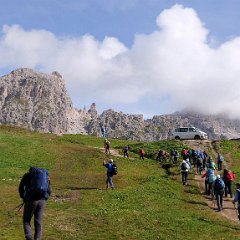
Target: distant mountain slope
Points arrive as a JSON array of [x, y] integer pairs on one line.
[[40, 102]]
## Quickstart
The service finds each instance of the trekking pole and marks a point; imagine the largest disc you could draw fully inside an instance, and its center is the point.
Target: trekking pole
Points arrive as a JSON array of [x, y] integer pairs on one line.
[[236, 211], [18, 207]]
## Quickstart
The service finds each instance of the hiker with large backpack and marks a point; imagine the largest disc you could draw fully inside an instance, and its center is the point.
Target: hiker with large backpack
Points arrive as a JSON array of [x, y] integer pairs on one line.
[[237, 199], [219, 187], [184, 168], [111, 171], [228, 178], [211, 164], [219, 162], [210, 177], [34, 189]]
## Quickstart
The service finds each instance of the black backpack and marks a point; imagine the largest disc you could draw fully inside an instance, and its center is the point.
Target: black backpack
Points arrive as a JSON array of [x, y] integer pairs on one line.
[[114, 169]]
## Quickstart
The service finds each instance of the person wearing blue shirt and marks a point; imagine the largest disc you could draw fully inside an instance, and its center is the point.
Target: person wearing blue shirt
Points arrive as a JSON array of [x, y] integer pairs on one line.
[[237, 199], [109, 166]]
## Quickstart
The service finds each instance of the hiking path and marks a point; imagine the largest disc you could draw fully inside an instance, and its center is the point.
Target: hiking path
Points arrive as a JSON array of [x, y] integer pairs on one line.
[[212, 147]]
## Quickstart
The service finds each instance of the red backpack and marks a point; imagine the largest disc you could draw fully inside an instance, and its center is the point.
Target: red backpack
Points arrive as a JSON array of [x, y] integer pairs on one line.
[[230, 176]]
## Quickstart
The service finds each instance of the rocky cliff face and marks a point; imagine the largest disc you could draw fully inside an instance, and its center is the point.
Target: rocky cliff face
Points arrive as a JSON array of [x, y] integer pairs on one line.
[[40, 102], [34, 100]]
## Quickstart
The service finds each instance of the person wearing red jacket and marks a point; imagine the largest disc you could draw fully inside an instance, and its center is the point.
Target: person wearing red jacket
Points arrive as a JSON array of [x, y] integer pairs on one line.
[[141, 154], [228, 178]]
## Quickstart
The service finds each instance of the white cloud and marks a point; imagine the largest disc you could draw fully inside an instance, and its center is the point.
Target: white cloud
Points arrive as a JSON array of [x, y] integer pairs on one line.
[[176, 62]]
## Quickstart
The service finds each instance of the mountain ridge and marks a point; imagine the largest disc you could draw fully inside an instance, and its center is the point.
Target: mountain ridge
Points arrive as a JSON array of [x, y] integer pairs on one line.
[[40, 102]]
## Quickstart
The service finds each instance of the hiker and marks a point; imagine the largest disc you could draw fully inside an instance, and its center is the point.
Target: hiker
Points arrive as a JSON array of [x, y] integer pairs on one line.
[[125, 151], [209, 180], [228, 178], [141, 154], [34, 189], [211, 164], [184, 168], [172, 155], [219, 162], [199, 165], [104, 132], [176, 156], [107, 146], [218, 187], [194, 157], [237, 199], [111, 170], [204, 156], [160, 155], [184, 153]]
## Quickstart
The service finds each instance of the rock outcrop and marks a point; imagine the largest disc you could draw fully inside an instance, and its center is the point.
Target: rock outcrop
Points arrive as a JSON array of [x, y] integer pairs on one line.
[[40, 102], [34, 100]]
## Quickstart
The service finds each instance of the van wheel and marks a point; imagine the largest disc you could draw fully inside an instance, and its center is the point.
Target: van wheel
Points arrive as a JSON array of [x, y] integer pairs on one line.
[[177, 138], [197, 137]]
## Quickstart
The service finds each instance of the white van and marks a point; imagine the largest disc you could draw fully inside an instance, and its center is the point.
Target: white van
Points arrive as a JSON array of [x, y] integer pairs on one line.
[[188, 133]]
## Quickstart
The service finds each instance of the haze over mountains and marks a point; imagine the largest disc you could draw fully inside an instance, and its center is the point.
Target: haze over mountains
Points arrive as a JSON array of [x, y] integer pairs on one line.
[[40, 102]]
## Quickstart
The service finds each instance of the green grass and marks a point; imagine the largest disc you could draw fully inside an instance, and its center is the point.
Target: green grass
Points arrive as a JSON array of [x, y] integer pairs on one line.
[[148, 203], [231, 152]]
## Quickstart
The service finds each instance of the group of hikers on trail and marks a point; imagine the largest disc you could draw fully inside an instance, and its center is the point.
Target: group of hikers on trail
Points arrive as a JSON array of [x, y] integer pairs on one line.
[[35, 188], [215, 185]]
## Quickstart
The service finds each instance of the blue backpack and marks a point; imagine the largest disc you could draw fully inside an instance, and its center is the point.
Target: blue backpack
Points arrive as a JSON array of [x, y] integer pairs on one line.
[[219, 185], [38, 185], [112, 168], [211, 177]]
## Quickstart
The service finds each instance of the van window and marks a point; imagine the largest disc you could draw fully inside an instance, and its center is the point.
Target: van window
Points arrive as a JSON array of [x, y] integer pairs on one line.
[[177, 130], [192, 130], [183, 129]]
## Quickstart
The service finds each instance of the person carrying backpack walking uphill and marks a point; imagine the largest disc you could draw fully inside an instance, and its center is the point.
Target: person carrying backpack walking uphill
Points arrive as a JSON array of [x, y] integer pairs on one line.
[[111, 170], [211, 164], [219, 162], [237, 199], [218, 187], [184, 168], [210, 177], [141, 154], [228, 178], [34, 189]]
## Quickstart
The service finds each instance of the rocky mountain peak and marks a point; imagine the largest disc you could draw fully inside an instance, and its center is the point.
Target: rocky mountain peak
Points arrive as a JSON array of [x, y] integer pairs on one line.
[[40, 102]]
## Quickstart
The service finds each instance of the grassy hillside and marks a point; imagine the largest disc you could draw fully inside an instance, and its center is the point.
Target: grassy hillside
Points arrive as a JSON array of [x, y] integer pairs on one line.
[[149, 203]]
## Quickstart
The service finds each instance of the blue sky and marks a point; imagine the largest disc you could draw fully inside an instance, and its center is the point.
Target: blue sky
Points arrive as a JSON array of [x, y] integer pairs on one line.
[[150, 57], [118, 18]]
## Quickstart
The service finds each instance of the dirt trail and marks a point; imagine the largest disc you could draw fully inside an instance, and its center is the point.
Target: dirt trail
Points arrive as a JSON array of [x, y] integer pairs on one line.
[[113, 152], [229, 211]]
